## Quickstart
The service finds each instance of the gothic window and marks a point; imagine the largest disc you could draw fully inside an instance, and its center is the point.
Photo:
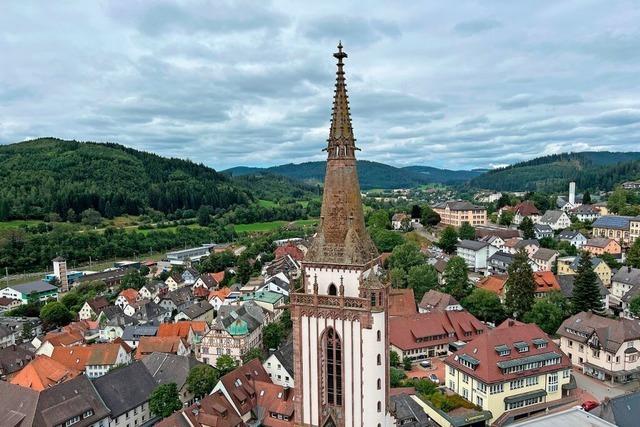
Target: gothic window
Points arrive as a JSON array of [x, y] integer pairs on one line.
[[379, 360], [332, 367], [332, 289], [379, 406], [379, 384], [379, 336]]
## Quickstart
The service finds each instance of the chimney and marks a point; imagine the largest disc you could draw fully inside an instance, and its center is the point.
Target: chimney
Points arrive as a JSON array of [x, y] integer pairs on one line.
[[572, 193], [285, 393]]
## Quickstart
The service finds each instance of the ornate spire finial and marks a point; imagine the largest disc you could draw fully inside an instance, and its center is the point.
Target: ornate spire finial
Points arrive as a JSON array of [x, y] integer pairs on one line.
[[341, 140]]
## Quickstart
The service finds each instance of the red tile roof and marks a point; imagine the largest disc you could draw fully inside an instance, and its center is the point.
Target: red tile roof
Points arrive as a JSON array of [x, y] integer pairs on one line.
[[168, 344], [181, 329], [221, 293], [212, 410], [275, 398], [493, 284], [130, 294], [240, 382], [79, 357], [447, 327], [546, 281], [526, 208], [64, 338], [402, 302], [483, 349], [289, 249], [43, 372]]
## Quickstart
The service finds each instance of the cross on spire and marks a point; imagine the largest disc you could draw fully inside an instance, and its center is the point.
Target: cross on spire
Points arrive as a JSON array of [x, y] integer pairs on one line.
[[341, 140]]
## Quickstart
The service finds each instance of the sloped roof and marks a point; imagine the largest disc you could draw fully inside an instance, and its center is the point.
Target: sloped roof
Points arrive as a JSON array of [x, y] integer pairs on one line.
[[34, 287], [402, 302], [612, 333], [482, 349], [543, 228], [459, 205], [43, 372], [544, 254], [526, 208], [78, 357], [18, 405], [566, 282], [148, 345], [409, 413], [436, 300], [284, 354], [169, 368], [197, 309], [131, 295], [221, 293], [623, 411], [551, 216], [545, 281], [599, 242], [612, 221], [125, 388], [568, 234], [239, 384], [182, 328], [13, 358], [493, 284], [212, 410], [627, 275]]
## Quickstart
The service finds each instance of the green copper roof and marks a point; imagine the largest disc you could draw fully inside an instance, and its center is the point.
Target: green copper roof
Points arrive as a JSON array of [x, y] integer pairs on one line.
[[239, 327], [263, 296]]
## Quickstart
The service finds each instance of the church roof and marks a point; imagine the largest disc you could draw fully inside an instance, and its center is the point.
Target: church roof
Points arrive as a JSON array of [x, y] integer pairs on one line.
[[342, 237]]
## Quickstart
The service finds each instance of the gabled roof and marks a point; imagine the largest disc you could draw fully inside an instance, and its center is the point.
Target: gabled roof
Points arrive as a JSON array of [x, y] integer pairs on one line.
[[409, 413], [551, 216], [501, 256], [134, 332], [197, 309], [98, 303], [473, 245], [599, 242], [612, 333], [623, 411], [544, 254], [169, 368], [125, 388], [14, 358], [289, 249], [18, 405], [72, 398], [43, 372], [284, 354], [221, 293], [493, 284], [526, 208], [436, 301], [78, 357], [182, 328], [239, 384], [545, 282], [526, 242], [148, 345], [628, 276], [568, 234], [543, 228], [212, 410], [482, 354], [566, 282], [131, 295], [595, 261]]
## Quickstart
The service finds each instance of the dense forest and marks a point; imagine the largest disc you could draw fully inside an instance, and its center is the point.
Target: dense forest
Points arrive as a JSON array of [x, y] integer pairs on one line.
[[590, 170], [67, 177], [371, 174]]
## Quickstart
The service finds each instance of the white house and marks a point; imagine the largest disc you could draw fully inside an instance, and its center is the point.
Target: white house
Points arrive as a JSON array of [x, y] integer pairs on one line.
[[475, 253], [276, 284], [557, 220], [279, 365], [33, 291], [574, 237]]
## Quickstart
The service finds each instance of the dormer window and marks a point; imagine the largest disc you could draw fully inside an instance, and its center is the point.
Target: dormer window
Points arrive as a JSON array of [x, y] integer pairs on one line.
[[503, 350], [521, 346]]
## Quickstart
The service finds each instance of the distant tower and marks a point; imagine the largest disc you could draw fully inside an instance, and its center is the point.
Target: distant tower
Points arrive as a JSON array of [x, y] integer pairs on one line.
[[60, 271], [572, 193], [340, 317]]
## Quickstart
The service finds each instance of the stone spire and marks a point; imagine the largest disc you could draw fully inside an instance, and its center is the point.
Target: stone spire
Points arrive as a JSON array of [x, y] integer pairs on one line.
[[342, 237]]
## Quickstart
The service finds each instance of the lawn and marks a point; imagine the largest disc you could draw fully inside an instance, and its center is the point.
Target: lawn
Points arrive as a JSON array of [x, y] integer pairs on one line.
[[17, 223], [267, 203], [257, 227]]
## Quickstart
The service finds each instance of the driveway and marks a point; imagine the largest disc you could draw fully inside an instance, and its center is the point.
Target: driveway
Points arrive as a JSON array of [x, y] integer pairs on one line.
[[602, 389]]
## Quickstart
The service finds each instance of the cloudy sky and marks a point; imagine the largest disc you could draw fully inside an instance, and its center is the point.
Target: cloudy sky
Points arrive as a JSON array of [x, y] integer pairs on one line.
[[456, 84]]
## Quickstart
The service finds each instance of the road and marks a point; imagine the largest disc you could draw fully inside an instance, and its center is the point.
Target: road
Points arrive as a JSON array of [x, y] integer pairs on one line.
[[601, 389]]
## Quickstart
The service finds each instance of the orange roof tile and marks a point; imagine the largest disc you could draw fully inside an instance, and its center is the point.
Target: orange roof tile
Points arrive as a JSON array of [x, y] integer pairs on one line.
[[80, 356], [221, 293], [148, 345], [218, 277], [43, 372], [181, 328], [64, 338], [130, 294], [546, 281], [493, 284], [402, 302]]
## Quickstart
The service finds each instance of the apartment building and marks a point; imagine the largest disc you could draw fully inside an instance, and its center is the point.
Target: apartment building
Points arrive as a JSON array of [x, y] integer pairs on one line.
[[459, 211]]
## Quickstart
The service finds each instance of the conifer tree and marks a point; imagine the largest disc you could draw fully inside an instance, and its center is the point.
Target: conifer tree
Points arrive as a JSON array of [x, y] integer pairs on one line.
[[633, 256], [586, 294], [526, 226], [520, 286]]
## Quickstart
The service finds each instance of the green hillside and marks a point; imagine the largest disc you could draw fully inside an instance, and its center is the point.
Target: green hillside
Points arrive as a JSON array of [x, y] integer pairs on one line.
[[371, 174], [590, 170], [52, 175]]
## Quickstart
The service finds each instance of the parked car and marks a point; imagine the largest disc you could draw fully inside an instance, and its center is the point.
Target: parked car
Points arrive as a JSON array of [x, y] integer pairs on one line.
[[434, 378], [426, 363], [588, 405]]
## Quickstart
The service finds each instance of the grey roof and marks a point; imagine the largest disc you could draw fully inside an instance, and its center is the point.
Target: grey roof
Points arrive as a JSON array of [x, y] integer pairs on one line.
[[595, 261], [627, 275], [197, 309], [67, 400], [545, 254], [14, 358], [278, 282], [6, 331], [133, 333], [459, 205], [18, 405], [125, 388], [409, 413], [612, 221], [501, 256], [534, 358], [585, 209], [623, 411], [566, 282], [543, 228], [250, 312], [436, 300], [107, 276], [551, 216], [148, 311], [179, 296], [284, 354], [170, 368], [569, 234], [473, 245], [612, 333], [526, 242], [34, 287]]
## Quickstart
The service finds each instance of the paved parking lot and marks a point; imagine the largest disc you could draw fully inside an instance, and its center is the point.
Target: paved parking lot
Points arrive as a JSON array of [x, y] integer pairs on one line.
[[437, 367], [601, 389]]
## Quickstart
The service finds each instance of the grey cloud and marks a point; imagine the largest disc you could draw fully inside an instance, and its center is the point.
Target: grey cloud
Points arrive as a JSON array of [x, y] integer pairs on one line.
[[468, 28], [526, 100]]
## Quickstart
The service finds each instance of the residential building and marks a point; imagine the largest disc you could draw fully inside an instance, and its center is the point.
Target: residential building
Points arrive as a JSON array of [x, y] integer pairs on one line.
[[566, 283], [126, 392], [557, 220], [542, 230], [604, 348], [457, 212], [499, 262], [92, 308], [574, 237], [621, 411], [29, 292], [189, 276], [291, 249], [545, 258], [523, 210], [626, 281], [530, 246], [585, 213], [569, 266], [273, 302], [190, 331], [200, 310], [152, 290], [634, 229], [178, 299], [286, 265], [172, 344], [219, 297], [400, 221], [127, 297], [427, 335], [408, 413], [438, 301], [493, 240], [566, 204], [144, 311], [42, 373], [278, 284], [475, 253], [613, 227], [210, 281], [7, 304], [213, 408], [235, 332], [13, 359], [132, 333], [18, 404], [174, 281], [545, 282], [279, 365], [168, 368], [495, 284], [94, 360], [8, 336], [512, 370], [494, 230], [602, 245]]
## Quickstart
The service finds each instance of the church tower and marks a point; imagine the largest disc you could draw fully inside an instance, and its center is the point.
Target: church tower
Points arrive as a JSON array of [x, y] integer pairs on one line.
[[340, 321]]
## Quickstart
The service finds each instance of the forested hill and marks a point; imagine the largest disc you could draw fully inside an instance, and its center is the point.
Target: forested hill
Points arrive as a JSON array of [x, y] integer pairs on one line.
[[601, 170], [52, 175], [371, 174]]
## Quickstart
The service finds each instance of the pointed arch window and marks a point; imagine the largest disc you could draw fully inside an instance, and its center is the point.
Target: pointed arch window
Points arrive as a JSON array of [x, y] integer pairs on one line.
[[332, 289], [332, 347]]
